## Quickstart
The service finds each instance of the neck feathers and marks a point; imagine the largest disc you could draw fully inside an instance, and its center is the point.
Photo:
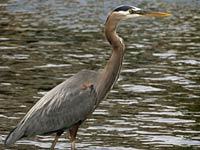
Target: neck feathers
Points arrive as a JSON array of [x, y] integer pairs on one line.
[[111, 71], [110, 32]]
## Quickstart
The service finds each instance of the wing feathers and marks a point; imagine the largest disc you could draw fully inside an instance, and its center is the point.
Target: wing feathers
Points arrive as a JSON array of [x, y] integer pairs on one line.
[[60, 108]]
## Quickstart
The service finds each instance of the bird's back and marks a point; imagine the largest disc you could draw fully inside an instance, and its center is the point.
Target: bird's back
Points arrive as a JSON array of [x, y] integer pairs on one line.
[[63, 106]]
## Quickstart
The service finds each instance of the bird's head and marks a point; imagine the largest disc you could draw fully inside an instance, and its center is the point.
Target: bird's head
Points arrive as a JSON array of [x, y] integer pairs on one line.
[[126, 12]]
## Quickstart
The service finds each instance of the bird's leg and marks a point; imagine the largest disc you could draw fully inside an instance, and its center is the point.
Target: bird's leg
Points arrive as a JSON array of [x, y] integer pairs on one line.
[[54, 142], [58, 134], [73, 131]]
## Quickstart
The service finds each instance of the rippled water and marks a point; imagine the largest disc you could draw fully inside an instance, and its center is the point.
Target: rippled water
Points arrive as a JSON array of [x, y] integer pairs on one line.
[[156, 101]]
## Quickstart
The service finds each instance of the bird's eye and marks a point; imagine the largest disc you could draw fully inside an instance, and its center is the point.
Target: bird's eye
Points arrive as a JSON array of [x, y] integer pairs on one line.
[[131, 11]]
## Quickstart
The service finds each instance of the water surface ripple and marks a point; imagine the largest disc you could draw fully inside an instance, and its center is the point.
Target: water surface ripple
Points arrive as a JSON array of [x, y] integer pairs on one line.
[[155, 103]]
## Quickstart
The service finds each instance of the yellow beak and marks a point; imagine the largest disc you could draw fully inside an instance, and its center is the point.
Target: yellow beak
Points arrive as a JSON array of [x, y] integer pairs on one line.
[[156, 14]]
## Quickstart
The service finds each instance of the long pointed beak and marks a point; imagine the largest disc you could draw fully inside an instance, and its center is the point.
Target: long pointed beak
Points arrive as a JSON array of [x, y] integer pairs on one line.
[[157, 14], [154, 14]]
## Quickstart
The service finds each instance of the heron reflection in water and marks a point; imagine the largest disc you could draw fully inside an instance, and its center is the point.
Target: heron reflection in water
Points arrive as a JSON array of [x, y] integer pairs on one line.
[[68, 105]]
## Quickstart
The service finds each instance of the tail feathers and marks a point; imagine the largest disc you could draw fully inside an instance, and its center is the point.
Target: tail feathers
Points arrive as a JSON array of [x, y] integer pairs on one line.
[[14, 135]]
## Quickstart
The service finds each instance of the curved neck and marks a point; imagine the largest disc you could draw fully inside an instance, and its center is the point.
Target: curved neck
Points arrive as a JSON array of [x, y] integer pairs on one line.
[[111, 71]]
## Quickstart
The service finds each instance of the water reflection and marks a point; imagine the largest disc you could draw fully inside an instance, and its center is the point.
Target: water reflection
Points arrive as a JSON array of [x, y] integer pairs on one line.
[[154, 105]]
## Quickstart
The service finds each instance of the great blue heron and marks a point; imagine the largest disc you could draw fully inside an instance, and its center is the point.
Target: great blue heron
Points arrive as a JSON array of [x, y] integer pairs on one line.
[[67, 105]]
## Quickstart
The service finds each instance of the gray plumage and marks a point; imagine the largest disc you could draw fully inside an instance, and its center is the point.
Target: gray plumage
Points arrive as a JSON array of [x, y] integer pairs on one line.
[[67, 105], [57, 110]]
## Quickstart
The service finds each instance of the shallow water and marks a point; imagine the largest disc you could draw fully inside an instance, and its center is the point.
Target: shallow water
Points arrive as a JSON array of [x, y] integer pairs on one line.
[[154, 105]]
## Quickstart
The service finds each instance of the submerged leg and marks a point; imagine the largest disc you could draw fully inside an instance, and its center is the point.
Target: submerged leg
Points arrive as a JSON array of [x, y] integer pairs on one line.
[[58, 134], [73, 131]]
